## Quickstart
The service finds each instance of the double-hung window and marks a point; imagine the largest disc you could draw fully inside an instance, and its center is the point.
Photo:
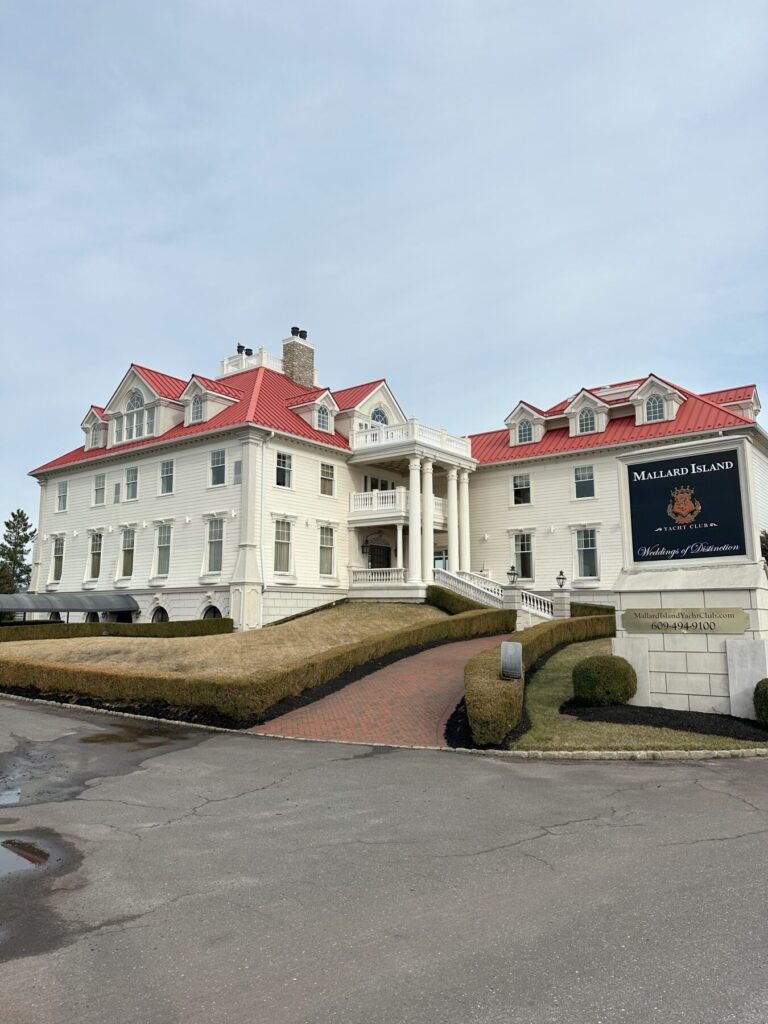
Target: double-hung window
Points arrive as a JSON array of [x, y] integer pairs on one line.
[[58, 558], [95, 566], [284, 469], [116, 494], [129, 543], [131, 483], [326, 479], [323, 419], [587, 421], [584, 481], [237, 471], [166, 477], [163, 549], [524, 432], [326, 550], [215, 544], [218, 468], [586, 552], [282, 546], [61, 497], [521, 489], [134, 417], [524, 555], [196, 411], [99, 487], [118, 429]]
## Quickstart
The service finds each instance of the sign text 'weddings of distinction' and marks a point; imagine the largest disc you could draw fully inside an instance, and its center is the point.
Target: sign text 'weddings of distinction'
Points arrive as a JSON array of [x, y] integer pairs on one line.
[[686, 508]]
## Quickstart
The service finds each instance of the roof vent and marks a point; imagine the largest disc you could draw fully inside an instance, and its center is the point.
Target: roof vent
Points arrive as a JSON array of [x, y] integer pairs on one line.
[[249, 351], [240, 349], [295, 332], [302, 335]]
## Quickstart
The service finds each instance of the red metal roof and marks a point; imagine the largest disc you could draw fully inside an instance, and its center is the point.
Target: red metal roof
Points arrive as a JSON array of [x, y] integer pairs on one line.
[[161, 383], [742, 394], [99, 411], [350, 398], [217, 386]]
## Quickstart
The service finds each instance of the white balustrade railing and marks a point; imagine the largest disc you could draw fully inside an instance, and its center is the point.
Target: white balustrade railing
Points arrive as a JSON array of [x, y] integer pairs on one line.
[[537, 605], [441, 508], [413, 430], [483, 582], [467, 588], [366, 577], [375, 501]]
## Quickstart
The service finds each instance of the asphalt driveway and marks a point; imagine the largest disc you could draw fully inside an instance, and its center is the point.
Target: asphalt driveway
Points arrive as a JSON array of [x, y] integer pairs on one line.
[[194, 876]]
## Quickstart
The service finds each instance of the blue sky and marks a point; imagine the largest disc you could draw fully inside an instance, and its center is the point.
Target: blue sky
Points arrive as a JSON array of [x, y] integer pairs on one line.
[[481, 201]]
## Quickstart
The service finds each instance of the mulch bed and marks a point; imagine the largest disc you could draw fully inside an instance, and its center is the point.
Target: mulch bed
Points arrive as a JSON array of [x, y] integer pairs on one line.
[[665, 718]]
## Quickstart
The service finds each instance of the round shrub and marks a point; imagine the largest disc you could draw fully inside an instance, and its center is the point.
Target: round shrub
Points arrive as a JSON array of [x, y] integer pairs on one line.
[[761, 701], [604, 679]]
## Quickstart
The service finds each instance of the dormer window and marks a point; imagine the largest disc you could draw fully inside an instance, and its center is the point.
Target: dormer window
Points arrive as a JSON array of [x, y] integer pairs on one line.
[[196, 412], [379, 416], [118, 429], [587, 424], [654, 409], [323, 419], [96, 435], [524, 432], [134, 416]]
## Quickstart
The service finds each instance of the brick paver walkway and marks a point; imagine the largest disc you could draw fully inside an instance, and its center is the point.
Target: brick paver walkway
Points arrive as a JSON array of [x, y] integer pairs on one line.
[[407, 703]]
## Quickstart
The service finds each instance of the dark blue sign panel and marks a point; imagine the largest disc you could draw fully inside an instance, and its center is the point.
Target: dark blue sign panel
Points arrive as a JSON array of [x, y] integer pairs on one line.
[[686, 508]]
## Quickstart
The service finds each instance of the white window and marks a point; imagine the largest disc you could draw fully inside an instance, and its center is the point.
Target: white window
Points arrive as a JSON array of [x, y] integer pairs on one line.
[[282, 546], [215, 544], [524, 432], [58, 558], [151, 421], [166, 477], [61, 497], [284, 470], [134, 416], [118, 429], [163, 549], [95, 435], [379, 416], [95, 563], [326, 479], [584, 481], [129, 543], [131, 483], [116, 495], [524, 555], [237, 471], [587, 422], [99, 487], [586, 552], [654, 409], [218, 468], [323, 419], [521, 489], [196, 412], [326, 550]]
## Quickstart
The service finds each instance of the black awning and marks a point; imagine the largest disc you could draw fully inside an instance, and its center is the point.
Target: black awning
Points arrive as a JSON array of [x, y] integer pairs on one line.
[[108, 602]]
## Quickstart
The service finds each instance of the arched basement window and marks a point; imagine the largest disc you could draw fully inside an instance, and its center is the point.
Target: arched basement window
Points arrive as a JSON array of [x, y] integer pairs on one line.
[[211, 612], [160, 615]]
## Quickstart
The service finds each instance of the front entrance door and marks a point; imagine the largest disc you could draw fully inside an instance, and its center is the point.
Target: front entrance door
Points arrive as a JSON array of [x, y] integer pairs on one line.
[[379, 556]]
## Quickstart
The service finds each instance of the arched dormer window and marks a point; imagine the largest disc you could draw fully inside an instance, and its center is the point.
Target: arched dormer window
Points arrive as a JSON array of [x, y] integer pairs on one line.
[[134, 416], [196, 412], [524, 432], [587, 422], [654, 409], [379, 416], [96, 435], [323, 419]]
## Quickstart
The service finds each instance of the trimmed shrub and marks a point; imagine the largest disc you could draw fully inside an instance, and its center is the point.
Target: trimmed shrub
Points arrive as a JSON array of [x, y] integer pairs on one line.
[[67, 630], [761, 701], [579, 609], [453, 604], [604, 679], [245, 699], [495, 705]]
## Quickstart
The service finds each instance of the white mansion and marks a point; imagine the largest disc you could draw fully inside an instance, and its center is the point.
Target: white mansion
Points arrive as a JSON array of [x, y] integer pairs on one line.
[[260, 494]]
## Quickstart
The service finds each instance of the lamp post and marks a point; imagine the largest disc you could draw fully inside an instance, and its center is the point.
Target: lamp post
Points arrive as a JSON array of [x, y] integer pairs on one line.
[[512, 575]]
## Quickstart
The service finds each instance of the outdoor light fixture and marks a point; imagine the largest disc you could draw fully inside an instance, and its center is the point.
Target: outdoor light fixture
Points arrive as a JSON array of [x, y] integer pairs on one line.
[[512, 575], [560, 579]]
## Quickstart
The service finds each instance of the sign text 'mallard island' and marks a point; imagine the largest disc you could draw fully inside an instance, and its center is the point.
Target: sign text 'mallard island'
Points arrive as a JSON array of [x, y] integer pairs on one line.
[[688, 507]]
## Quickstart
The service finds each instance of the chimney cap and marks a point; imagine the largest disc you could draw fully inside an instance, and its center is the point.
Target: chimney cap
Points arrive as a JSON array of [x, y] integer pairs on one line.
[[240, 349], [303, 335], [249, 351], [295, 332]]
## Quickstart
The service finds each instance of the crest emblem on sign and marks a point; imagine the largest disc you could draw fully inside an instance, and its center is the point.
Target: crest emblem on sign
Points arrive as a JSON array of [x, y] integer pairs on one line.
[[683, 507]]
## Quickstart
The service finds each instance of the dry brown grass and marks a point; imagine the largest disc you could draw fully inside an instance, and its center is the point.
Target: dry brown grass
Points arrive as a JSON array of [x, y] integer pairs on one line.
[[231, 654]]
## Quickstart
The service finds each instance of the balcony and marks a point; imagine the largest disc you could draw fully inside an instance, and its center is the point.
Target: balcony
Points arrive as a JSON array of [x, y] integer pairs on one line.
[[386, 506], [406, 435]]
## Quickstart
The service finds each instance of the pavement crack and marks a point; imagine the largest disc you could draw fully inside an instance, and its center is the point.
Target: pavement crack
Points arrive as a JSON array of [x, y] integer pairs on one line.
[[718, 839]]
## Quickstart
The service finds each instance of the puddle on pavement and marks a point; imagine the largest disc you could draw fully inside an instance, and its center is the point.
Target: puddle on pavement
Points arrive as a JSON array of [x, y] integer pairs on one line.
[[9, 797], [20, 855], [140, 736]]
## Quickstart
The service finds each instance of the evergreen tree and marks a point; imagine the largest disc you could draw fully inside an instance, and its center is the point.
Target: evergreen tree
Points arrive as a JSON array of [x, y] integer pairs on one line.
[[19, 534]]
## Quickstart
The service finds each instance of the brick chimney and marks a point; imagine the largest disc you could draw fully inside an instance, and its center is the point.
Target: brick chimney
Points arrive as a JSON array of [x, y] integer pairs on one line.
[[299, 358]]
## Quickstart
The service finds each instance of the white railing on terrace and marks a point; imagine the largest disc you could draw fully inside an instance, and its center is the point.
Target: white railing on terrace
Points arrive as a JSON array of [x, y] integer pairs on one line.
[[537, 605], [413, 430], [390, 501], [366, 577], [482, 581], [441, 508], [467, 588]]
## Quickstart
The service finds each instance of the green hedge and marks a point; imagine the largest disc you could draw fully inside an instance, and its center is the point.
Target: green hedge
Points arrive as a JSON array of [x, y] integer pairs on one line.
[[761, 701], [495, 705], [453, 604], [604, 679], [579, 609], [244, 699], [67, 630]]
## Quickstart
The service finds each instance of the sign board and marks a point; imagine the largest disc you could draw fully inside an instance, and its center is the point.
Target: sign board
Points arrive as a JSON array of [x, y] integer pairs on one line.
[[701, 621], [687, 507]]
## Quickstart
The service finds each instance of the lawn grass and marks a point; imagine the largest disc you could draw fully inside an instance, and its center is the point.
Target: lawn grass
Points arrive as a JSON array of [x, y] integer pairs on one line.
[[234, 654], [551, 686]]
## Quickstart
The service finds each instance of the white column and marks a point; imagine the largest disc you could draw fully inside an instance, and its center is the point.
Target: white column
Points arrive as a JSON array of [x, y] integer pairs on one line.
[[414, 522], [464, 532], [399, 553], [453, 521], [245, 586], [427, 523]]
